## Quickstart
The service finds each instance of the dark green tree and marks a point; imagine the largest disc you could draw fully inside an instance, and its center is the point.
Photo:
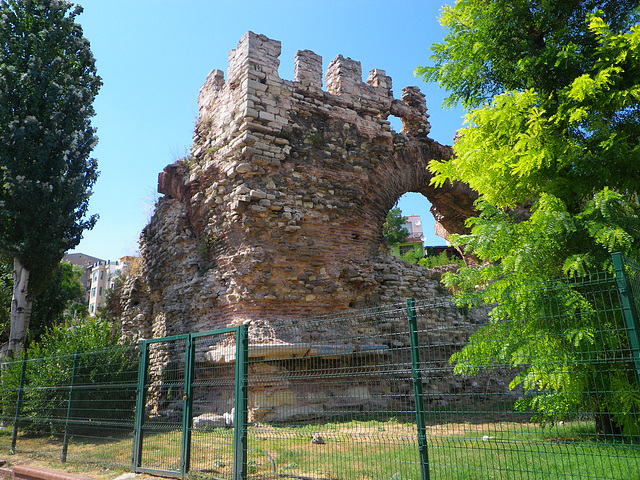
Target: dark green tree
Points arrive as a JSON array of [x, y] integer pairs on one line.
[[393, 227], [552, 137], [48, 83], [63, 295], [6, 291]]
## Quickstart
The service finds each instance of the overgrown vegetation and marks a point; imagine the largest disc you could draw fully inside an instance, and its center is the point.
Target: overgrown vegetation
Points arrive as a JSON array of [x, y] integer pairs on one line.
[[102, 360], [552, 134], [432, 261], [393, 227]]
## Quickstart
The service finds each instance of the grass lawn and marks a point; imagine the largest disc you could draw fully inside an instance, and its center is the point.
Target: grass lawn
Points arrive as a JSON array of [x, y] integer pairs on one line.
[[362, 450]]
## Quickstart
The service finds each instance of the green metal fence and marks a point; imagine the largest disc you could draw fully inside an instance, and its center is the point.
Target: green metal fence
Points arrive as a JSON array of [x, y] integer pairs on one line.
[[76, 407], [548, 391]]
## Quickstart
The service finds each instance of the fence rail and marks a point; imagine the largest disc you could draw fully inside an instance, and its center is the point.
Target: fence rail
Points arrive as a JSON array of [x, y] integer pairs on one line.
[[382, 393]]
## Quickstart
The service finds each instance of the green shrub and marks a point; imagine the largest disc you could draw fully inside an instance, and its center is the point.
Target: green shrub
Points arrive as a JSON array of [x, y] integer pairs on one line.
[[104, 382], [432, 261]]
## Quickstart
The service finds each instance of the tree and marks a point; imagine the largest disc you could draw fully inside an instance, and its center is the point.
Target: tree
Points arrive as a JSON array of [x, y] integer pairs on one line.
[[6, 290], [552, 137], [48, 82], [104, 359], [393, 227], [62, 296]]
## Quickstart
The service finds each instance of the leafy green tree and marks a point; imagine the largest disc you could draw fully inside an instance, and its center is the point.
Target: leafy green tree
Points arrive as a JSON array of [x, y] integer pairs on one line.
[[6, 290], [393, 227], [48, 82], [442, 259], [105, 360], [61, 295], [552, 147]]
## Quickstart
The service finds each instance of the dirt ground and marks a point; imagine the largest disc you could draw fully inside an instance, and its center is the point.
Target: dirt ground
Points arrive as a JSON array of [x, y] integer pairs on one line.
[[47, 461]]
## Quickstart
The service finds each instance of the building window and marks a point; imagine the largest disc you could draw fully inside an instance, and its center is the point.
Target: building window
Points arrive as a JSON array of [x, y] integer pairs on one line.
[[100, 293], [101, 275], [91, 308], [95, 277], [93, 292]]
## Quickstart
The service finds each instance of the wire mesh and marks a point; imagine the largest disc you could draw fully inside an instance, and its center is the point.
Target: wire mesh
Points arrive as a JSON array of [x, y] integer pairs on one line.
[[73, 403], [545, 386], [162, 424], [213, 406], [337, 402], [545, 391]]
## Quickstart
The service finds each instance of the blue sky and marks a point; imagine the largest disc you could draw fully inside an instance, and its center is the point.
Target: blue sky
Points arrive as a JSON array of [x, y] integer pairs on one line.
[[153, 56]]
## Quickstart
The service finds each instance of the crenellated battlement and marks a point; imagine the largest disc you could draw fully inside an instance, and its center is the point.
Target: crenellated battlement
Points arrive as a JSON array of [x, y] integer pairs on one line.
[[255, 97]]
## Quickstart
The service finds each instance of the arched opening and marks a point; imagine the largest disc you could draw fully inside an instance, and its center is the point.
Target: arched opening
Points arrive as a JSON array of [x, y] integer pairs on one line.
[[420, 244], [417, 204]]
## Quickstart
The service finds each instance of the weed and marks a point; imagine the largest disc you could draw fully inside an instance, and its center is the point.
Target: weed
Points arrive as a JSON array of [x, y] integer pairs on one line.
[[316, 140], [211, 151]]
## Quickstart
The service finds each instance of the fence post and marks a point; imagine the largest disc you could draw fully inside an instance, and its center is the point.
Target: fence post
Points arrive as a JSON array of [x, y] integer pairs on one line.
[[240, 412], [628, 310], [14, 435], [141, 395], [187, 403], [423, 449], [65, 442]]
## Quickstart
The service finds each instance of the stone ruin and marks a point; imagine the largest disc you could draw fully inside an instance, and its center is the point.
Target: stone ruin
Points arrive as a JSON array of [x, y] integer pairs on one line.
[[277, 212], [276, 216]]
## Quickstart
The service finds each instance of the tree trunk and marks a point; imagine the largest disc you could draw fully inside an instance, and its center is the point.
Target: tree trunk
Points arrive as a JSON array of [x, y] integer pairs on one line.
[[21, 304], [607, 426]]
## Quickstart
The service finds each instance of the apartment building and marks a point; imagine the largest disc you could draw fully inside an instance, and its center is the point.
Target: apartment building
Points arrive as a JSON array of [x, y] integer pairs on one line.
[[101, 277]]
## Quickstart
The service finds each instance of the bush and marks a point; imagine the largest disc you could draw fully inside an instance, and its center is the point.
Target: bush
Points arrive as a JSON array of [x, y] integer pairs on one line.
[[432, 261], [104, 382]]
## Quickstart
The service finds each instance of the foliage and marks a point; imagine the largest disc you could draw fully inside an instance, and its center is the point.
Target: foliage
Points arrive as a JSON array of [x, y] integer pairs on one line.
[[102, 360], [567, 340], [552, 139], [570, 143], [48, 82], [6, 289], [432, 261], [497, 46], [62, 294], [393, 227]]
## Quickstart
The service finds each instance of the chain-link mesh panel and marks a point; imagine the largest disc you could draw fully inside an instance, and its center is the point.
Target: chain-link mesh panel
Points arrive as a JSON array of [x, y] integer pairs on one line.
[[74, 402], [162, 424], [213, 393], [545, 389], [332, 397]]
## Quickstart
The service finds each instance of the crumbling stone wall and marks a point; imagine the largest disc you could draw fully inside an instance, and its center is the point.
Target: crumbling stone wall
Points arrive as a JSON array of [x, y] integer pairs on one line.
[[277, 213]]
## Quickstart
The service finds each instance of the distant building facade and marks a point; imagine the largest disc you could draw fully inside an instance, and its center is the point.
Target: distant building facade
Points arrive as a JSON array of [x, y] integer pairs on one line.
[[414, 242], [98, 277]]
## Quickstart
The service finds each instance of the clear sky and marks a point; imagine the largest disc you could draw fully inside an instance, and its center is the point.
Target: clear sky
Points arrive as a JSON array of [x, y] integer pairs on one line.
[[153, 56]]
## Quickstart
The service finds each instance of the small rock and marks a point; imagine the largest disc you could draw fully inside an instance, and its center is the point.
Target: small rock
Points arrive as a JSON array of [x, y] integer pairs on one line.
[[317, 439], [209, 420]]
